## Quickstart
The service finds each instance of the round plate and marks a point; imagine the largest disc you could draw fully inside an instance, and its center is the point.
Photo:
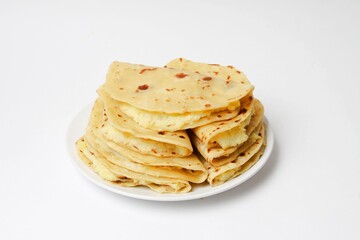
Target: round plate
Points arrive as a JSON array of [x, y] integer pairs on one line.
[[77, 129]]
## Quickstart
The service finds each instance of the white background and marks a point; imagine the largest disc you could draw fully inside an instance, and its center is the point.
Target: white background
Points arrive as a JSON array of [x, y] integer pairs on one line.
[[302, 56]]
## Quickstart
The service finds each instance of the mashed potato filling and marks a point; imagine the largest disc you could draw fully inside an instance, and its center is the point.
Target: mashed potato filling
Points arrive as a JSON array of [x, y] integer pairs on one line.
[[232, 137]]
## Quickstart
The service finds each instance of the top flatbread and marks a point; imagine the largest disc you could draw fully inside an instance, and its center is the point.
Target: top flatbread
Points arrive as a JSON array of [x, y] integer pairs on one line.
[[229, 74], [156, 121], [171, 90]]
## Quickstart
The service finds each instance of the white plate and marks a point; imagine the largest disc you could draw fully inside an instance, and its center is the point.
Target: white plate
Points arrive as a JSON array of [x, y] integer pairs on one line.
[[77, 129]]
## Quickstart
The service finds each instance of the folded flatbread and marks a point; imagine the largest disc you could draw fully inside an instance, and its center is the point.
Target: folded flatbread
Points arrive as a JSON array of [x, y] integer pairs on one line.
[[229, 75], [214, 153], [168, 99], [171, 91], [118, 128], [227, 133], [158, 121], [244, 161], [127, 178], [110, 159], [218, 157]]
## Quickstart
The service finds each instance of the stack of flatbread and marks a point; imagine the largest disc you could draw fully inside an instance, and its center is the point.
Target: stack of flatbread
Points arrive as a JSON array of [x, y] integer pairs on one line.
[[228, 147], [146, 120]]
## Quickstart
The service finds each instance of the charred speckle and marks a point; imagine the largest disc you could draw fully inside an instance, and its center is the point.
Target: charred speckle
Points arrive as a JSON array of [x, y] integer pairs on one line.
[[143, 87], [180, 75], [147, 69]]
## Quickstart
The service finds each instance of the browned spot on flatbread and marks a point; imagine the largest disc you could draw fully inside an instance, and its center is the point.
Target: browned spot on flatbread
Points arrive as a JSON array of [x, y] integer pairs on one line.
[[143, 87], [147, 69], [181, 75]]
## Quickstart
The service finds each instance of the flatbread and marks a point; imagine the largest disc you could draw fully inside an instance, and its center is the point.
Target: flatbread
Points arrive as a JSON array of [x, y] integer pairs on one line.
[[128, 178], [217, 155], [98, 166], [121, 130], [223, 159], [219, 175], [158, 121], [228, 133], [186, 168], [257, 118], [229, 74], [171, 91], [190, 169]]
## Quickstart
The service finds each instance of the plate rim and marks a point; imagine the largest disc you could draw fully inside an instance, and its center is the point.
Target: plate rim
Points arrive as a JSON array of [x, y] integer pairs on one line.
[[89, 174]]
